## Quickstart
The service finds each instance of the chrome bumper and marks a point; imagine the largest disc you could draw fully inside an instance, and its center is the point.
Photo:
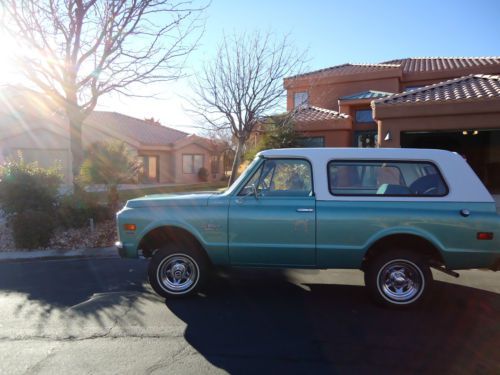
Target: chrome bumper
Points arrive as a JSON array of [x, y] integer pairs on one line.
[[120, 249]]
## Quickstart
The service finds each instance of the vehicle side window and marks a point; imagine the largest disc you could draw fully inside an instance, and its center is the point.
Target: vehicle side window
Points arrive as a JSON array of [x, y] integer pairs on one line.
[[281, 177], [389, 178], [252, 183]]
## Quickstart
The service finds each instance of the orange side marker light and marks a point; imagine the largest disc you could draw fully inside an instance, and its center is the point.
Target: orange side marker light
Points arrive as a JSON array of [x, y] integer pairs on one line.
[[130, 227]]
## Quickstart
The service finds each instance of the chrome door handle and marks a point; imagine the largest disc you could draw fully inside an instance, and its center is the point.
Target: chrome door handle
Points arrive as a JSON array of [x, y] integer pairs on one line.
[[305, 209]]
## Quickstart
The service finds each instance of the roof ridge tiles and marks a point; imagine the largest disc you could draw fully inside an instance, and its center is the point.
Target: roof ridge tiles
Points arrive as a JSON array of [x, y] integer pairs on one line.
[[487, 76], [335, 67], [329, 113], [410, 65], [423, 88], [393, 99]]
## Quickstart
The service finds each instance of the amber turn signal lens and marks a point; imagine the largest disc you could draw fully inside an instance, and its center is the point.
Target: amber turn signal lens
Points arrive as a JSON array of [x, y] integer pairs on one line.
[[484, 235], [130, 227]]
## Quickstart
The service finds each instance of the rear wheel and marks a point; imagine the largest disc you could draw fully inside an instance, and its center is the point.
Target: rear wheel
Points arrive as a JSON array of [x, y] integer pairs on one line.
[[398, 278], [174, 271]]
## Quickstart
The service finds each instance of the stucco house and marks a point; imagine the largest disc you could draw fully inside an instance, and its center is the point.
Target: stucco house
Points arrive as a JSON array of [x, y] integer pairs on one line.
[[168, 155], [438, 102]]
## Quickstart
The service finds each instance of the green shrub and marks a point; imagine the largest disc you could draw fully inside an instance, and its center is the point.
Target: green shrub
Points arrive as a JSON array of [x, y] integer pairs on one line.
[[28, 194], [28, 187], [110, 164], [76, 210], [32, 229]]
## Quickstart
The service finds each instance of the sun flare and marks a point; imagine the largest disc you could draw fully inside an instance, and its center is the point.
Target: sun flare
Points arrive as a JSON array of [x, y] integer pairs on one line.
[[7, 66]]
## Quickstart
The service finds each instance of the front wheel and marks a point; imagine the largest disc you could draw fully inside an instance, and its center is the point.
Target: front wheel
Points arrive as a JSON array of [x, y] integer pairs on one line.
[[177, 272], [398, 278]]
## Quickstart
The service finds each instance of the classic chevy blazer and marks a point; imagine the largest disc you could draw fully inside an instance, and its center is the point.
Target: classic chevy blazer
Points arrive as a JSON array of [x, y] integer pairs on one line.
[[393, 213]]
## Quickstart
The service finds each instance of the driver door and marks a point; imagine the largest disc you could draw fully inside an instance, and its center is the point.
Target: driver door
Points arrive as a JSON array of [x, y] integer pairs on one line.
[[272, 220]]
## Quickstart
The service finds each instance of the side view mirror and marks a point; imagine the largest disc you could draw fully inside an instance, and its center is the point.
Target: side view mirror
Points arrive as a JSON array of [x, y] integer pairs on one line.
[[254, 191]]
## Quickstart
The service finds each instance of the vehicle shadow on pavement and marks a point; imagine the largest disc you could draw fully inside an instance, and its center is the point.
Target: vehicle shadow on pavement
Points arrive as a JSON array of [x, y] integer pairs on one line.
[[72, 293], [263, 322]]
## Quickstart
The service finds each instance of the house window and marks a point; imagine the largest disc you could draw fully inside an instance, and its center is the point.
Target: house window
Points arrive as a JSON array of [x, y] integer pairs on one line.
[[300, 98], [150, 171], [214, 164], [311, 142], [192, 163], [364, 115]]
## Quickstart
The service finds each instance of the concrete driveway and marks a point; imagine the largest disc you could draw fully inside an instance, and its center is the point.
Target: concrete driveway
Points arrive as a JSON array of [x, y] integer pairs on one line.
[[100, 316]]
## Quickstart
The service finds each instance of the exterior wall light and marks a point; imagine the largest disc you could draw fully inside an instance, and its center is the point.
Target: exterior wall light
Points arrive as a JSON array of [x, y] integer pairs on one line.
[[388, 136], [465, 132], [475, 132]]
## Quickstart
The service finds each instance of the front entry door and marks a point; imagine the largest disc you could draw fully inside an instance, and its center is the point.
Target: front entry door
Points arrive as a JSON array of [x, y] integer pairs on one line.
[[272, 221]]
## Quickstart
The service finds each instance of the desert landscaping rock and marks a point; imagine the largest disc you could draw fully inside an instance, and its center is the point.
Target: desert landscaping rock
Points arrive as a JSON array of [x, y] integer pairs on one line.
[[104, 235]]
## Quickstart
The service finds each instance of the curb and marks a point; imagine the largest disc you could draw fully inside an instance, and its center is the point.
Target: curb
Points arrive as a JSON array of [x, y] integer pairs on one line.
[[15, 256]]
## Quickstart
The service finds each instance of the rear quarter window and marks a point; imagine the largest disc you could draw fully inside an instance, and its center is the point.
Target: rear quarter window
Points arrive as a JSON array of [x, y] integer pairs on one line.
[[385, 178]]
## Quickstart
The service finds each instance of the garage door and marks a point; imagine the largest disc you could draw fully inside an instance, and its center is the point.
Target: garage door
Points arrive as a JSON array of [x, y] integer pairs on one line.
[[481, 149]]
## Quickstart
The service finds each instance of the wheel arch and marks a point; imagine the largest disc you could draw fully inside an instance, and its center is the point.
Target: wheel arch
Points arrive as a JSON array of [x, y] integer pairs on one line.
[[167, 233], [412, 241]]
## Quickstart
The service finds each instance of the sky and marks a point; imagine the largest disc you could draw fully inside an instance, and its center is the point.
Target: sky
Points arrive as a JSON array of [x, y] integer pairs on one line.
[[333, 32]]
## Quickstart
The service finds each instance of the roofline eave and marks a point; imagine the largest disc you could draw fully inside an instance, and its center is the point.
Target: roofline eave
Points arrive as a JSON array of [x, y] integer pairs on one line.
[[324, 79], [383, 111]]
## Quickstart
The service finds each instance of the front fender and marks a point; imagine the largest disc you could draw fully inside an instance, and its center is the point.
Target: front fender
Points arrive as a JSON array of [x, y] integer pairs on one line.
[[171, 223]]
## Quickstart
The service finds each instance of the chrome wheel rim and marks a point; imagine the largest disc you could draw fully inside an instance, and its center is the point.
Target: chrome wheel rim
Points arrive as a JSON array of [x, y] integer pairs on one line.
[[400, 281], [178, 273]]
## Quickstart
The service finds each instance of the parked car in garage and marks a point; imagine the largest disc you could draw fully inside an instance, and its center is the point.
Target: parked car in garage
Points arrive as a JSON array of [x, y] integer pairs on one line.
[[393, 213]]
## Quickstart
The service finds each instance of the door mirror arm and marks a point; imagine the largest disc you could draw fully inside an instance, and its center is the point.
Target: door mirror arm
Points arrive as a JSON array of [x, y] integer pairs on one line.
[[254, 191]]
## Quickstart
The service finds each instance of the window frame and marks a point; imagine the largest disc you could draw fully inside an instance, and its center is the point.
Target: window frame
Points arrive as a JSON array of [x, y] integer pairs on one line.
[[259, 170], [144, 173], [295, 105], [214, 164], [192, 163], [440, 174], [363, 110], [299, 139]]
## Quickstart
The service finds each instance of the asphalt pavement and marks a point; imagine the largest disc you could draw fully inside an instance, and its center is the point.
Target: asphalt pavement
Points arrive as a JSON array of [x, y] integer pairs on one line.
[[100, 316]]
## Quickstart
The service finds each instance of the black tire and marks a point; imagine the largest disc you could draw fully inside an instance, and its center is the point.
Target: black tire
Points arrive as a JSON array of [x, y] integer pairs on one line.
[[398, 278], [186, 265]]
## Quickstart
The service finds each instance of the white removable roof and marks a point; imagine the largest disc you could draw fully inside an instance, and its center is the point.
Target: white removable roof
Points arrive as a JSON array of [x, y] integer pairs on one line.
[[463, 184]]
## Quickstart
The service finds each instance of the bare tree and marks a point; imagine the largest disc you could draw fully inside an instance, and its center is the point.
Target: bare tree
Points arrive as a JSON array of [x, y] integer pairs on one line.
[[243, 84], [75, 51]]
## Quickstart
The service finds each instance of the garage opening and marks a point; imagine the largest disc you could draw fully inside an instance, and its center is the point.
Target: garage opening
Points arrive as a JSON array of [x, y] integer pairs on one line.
[[481, 149]]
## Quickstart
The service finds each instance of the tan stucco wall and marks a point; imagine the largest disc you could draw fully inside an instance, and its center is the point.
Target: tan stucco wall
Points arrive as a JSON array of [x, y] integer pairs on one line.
[[40, 139], [39, 136], [190, 178], [166, 165], [333, 138]]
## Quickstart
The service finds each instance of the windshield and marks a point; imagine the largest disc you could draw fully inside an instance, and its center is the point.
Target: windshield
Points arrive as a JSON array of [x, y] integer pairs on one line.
[[244, 175]]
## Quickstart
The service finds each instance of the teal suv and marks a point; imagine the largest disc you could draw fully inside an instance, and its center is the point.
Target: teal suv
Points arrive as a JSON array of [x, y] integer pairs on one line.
[[392, 213]]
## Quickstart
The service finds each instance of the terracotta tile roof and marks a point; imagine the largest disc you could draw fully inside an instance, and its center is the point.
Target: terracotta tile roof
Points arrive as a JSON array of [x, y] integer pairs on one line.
[[348, 69], [413, 65], [472, 87], [134, 128], [370, 94], [433, 64], [311, 113]]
